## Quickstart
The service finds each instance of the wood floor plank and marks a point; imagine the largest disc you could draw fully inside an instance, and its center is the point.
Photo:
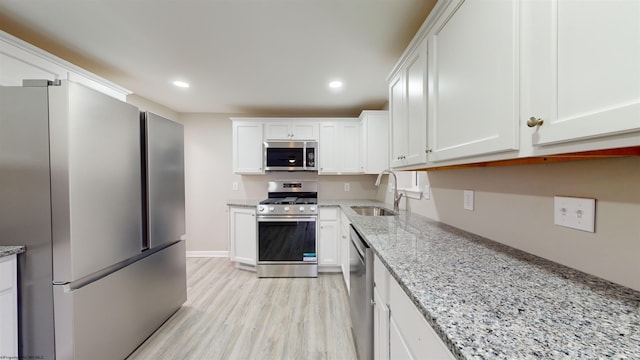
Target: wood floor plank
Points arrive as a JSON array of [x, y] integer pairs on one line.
[[231, 314]]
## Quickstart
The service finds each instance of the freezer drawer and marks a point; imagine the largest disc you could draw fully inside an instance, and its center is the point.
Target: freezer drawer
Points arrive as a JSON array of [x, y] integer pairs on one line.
[[111, 317]]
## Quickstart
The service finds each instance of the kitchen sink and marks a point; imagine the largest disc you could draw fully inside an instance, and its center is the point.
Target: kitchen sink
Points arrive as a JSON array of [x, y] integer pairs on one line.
[[372, 211]]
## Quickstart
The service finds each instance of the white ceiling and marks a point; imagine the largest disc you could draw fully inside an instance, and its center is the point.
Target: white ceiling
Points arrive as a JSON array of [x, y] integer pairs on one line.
[[240, 56]]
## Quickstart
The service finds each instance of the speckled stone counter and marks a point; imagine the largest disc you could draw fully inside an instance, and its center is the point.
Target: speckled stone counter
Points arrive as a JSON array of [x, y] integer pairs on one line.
[[243, 202], [490, 301], [10, 250]]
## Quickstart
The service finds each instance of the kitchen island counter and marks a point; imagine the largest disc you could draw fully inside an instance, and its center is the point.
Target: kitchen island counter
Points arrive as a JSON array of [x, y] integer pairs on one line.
[[11, 250], [490, 301]]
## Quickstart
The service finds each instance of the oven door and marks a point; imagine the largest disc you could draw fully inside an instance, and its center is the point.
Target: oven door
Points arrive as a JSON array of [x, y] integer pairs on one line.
[[287, 240]]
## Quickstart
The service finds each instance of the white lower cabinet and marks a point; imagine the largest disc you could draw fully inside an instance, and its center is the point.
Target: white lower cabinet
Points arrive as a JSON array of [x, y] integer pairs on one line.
[[345, 239], [242, 235], [380, 327], [8, 307], [328, 249], [400, 330], [411, 336]]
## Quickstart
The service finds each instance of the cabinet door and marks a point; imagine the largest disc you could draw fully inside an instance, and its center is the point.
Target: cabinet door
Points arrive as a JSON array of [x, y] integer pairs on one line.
[[585, 80], [328, 243], [380, 327], [329, 148], [416, 105], [398, 349], [328, 251], [344, 249], [408, 323], [277, 130], [243, 236], [247, 148], [349, 155], [8, 307], [398, 120], [304, 130], [474, 80], [339, 147], [375, 142]]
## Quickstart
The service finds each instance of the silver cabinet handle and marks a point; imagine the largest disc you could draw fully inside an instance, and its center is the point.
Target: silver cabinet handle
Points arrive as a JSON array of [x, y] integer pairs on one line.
[[534, 121]]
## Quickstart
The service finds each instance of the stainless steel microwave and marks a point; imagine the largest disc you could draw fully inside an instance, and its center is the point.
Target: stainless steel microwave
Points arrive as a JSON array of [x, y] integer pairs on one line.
[[290, 156]]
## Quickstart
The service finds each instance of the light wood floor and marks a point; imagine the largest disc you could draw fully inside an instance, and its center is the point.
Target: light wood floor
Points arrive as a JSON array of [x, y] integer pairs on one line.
[[231, 314]]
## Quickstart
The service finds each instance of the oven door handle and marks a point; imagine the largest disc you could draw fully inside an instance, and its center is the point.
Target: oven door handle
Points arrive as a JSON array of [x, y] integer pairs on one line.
[[286, 218]]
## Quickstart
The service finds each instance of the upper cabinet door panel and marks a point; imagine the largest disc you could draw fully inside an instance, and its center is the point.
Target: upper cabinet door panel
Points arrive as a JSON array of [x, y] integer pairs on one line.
[[304, 130], [277, 130], [416, 105], [589, 71], [398, 120], [474, 79]]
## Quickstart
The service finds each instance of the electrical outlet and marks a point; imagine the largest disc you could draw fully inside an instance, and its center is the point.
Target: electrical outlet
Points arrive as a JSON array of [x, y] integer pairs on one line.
[[347, 187], [468, 200], [427, 192], [575, 213], [234, 186]]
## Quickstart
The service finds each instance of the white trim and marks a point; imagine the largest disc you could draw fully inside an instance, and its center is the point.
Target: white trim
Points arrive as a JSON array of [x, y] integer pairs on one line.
[[208, 254], [33, 50]]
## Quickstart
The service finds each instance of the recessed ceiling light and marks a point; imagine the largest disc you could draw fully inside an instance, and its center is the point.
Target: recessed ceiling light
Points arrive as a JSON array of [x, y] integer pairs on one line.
[[335, 84], [181, 84]]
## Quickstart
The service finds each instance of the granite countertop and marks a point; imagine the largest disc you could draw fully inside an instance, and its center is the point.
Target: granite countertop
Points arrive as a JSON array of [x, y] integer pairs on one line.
[[10, 250], [491, 301]]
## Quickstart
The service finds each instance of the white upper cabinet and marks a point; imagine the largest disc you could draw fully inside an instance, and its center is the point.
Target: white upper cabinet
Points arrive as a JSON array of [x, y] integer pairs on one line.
[[474, 79], [291, 129], [408, 110], [247, 147], [339, 147], [20, 60], [374, 125], [581, 72]]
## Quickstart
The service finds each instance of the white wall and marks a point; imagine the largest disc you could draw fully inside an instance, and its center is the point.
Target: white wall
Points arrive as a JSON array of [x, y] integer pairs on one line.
[[209, 182], [514, 206], [147, 105]]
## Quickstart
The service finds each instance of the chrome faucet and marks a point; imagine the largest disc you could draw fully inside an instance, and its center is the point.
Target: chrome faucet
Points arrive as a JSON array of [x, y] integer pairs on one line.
[[396, 197]]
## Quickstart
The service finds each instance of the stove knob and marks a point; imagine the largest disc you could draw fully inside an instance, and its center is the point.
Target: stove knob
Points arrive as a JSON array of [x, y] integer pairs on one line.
[[260, 208], [313, 208], [286, 208], [301, 208], [271, 208]]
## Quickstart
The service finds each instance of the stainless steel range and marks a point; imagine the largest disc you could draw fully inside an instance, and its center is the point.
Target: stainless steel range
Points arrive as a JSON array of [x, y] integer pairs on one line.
[[287, 230]]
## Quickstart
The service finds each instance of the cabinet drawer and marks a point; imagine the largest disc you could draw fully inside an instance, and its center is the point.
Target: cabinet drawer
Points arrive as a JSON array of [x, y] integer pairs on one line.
[[7, 273], [330, 214], [420, 339]]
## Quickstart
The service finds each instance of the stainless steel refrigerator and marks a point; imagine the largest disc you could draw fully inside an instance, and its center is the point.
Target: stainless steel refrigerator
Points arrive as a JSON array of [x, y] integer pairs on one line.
[[96, 193]]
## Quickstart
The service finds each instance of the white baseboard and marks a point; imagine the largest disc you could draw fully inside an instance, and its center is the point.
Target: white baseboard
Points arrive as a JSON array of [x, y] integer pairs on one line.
[[212, 254]]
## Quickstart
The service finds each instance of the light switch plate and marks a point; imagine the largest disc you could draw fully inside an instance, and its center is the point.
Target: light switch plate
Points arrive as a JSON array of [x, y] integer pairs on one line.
[[468, 200], [427, 192], [575, 213], [347, 187], [234, 185]]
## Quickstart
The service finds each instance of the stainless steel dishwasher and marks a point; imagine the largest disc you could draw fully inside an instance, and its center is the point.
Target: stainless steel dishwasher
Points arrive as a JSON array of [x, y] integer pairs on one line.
[[361, 295]]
